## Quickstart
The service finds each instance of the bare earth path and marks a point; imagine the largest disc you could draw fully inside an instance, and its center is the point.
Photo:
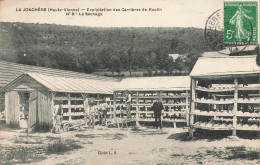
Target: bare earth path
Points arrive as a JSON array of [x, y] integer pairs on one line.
[[146, 146]]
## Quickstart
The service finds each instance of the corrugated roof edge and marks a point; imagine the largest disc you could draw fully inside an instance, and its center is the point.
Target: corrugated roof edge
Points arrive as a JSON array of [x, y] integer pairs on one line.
[[221, 73], [3, 89], [152, 89], [119, 88], [60, 70], [249, 56]]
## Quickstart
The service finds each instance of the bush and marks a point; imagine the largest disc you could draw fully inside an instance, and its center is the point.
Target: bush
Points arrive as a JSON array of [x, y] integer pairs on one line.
[[60, 146]]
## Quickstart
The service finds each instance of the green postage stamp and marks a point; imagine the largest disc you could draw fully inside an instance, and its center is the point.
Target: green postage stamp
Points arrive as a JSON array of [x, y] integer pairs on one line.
[[240, 22]]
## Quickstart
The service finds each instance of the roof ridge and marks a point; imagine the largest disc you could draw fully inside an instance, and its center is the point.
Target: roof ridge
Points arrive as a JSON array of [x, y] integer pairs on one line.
[[54, 70], [248, 56]]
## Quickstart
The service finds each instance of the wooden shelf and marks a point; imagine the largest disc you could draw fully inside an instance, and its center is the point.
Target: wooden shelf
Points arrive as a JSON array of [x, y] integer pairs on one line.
[[57, 99], [215, 102], [240, 114], [248, 88], [211, 113], [174, 120], [248, 102], [77, 114], [184, 104], [215, 90], [174, 97], [248, 129], [212, 127], [174, 112], [76, 99]]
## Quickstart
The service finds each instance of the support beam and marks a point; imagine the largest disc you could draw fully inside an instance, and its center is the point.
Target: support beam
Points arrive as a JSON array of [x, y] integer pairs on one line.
[[69, 106], [235, 107], [192, 106], [137, 110], [187, 107]]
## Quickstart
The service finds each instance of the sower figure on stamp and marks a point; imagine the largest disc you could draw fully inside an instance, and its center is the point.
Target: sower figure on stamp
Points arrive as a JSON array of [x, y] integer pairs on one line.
[[157, 109]]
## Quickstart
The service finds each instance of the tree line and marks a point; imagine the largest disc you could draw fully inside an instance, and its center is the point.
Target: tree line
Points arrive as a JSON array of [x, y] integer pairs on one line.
[[86, 49]]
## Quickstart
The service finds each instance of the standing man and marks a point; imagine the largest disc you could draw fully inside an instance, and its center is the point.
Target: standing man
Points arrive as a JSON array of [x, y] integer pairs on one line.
[[128, 100], [157, 109], [58, 116]]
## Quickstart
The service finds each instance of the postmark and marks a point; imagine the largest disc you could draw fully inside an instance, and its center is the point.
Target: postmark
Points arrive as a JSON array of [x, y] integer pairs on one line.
[[214, 30], [240, 22]]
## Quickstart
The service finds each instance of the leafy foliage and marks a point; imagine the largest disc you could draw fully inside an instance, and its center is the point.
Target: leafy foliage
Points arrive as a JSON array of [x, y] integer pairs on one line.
[[86, 49]]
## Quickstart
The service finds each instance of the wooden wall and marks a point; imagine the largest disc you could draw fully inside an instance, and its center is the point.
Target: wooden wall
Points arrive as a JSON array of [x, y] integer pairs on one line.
[[2, 101], [44, 109], [12, 107], [42, 105]]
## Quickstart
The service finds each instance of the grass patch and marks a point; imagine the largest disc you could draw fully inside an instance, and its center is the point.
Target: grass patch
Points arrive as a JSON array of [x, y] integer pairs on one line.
[[118, 136], [176, 155], [230, 153], [21, 155], [136, 129], [157, 132], [62, 146], [28, 140], [85, 136]]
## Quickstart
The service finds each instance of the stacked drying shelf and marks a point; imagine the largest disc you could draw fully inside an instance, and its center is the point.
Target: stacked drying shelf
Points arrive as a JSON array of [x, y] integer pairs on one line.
[[176, 105], [102, 101], [233, 105], [73, 105]]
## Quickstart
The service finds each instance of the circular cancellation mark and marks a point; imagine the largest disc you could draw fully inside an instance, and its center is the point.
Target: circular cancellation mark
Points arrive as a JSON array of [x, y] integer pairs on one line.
[[214, 35]]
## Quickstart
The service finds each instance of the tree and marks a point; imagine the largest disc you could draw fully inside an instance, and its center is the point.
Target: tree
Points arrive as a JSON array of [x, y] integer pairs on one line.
[[116, 65]]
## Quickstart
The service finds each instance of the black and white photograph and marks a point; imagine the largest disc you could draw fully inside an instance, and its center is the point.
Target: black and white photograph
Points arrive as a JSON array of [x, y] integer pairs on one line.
[[129, 82]]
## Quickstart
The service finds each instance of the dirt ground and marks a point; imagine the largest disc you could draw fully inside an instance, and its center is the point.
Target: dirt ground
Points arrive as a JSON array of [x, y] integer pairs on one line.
[[143, 145]]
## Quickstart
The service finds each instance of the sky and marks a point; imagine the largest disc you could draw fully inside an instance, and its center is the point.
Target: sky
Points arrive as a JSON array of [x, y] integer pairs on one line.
[[172, 13]]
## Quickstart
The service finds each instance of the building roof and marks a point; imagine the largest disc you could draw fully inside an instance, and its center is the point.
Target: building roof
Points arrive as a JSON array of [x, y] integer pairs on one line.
[[174, 56], [225, 66], [227, 51], [69, 85], [9, 71], [155, 83]]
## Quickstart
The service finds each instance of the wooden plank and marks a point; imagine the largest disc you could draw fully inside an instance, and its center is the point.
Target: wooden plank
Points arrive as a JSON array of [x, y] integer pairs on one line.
[[192, 106], [12, 108], [7, 108], [45, 114], [235, 107], [32, 121]]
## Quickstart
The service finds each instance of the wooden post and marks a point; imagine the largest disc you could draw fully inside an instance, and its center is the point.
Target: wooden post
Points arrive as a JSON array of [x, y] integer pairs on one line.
[[174, 124], [192, 107], [52, 95], [215, 106], [137, 110], [85, 103], [187, 107], [160, 95], [235, 107], [114, 105], [69, 106]]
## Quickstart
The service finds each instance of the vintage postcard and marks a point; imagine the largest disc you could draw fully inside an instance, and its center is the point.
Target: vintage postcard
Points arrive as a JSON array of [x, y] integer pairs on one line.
[[129, 82]]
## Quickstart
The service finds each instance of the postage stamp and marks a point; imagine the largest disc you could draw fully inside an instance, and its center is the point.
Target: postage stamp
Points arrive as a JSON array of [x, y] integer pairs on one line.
[[240, 22]]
